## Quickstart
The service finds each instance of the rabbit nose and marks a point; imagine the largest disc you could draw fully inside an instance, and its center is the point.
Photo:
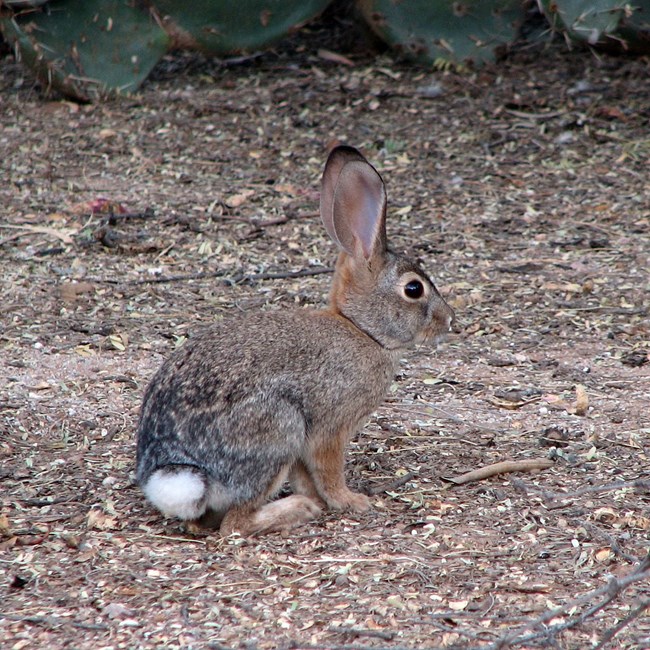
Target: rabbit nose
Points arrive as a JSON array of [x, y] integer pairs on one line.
[[450, 317]]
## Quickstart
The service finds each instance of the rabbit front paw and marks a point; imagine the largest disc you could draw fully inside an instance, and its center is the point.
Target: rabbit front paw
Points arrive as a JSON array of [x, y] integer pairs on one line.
[[348, 500]]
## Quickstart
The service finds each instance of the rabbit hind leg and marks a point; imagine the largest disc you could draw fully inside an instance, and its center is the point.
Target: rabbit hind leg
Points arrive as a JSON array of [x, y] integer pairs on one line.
[[257, 516], [302, 483], [278, 516]]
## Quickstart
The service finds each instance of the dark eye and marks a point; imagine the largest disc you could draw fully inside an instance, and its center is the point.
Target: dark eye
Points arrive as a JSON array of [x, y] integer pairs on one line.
[[414, 289]]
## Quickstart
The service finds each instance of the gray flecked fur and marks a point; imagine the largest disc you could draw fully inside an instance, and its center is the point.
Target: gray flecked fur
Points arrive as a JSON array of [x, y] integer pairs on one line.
[[239, 402]]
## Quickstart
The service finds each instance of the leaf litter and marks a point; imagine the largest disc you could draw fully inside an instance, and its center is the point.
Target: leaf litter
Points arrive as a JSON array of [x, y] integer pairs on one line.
[[528, 200]]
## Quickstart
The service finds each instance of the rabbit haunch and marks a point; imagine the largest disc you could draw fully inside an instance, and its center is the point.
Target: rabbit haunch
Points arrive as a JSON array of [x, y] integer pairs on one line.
[[252, 402]]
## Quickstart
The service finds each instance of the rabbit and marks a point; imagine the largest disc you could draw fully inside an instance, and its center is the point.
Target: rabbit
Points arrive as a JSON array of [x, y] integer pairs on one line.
[[249, 403]]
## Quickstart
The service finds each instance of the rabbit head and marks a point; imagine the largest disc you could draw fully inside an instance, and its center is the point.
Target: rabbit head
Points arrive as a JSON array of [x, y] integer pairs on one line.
[[385, 294]]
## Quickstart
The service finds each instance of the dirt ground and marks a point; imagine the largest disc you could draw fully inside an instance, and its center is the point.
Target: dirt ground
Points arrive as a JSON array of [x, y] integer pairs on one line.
[[125, 226]]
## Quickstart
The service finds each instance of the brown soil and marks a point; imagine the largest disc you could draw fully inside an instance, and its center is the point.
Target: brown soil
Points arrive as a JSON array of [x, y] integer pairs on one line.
[[524, 189]]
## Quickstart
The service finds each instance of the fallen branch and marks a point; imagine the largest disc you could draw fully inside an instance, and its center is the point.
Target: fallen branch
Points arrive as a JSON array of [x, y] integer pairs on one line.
[[113, 217], [611, 591], [238, 278], [641, 485], [503, 467], [54, 622], [612, 632], [360, 631]]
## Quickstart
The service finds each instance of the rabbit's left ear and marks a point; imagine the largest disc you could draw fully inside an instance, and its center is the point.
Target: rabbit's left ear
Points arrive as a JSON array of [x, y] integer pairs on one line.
[[353, 203]]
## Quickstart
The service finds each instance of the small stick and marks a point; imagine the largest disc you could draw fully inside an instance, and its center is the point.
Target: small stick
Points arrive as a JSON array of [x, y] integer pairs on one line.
[[360, 631], [235, 279], [503, 467], [112, 217], [281, 276], [398, 482]]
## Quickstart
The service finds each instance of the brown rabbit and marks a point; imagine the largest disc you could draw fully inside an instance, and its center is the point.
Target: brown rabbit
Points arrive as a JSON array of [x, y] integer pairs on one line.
[[272, 396]]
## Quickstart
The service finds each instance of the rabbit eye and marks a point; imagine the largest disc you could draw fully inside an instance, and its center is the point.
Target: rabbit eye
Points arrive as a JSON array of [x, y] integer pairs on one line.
[[414, 289]]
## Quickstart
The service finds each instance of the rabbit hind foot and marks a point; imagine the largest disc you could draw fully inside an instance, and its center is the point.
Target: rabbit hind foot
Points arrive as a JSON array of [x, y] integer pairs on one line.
[[281, 515]]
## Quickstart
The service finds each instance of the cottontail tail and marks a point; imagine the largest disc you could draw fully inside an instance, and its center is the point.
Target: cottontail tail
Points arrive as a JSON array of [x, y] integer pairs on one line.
[[249, 403]]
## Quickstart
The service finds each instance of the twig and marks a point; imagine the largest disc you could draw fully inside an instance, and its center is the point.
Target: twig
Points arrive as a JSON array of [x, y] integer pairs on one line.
[[612, 632], [611, 591], [534, 116], [112, 217], [638, 484], [503, 467], [283, 275], [238, 278], [296, 645], [359, 631], [387, 487], [271, 222], [451, 417], [52, 622]]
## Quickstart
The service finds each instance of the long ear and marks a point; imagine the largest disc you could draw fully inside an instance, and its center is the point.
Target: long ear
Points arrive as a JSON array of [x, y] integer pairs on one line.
[[353, 203]]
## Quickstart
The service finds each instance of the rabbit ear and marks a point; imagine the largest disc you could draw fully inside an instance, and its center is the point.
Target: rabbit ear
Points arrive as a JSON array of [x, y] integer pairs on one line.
[[353, 203]]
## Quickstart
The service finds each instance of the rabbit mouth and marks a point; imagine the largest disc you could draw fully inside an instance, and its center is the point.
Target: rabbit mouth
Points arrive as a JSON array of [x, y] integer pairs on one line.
[[434, 333]]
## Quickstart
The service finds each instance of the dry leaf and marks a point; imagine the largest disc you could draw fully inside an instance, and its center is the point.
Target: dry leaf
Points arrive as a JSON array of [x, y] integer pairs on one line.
[[71, 290], [117, 610], [239, 199], [84, 350], [64, 235], [100, 521], [286, 188], [604, 554], [606, 515], [41, 385], [119, 341], [458, 605], [581, 405], [395, 601], [5, 529], [107, 134]]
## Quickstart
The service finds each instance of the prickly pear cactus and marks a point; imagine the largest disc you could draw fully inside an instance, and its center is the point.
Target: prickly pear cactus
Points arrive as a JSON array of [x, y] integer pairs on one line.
[[585, 20], [615, 24], [83, 48], [227, 26], [444, 30], [86, 48], [634, 28]]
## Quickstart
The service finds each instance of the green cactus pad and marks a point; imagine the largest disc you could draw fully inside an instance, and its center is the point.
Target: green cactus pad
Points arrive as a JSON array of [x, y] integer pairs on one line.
[[226, 27], [84, 48], [585, 20], [613, 24], [634, 28], [443, 30]]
